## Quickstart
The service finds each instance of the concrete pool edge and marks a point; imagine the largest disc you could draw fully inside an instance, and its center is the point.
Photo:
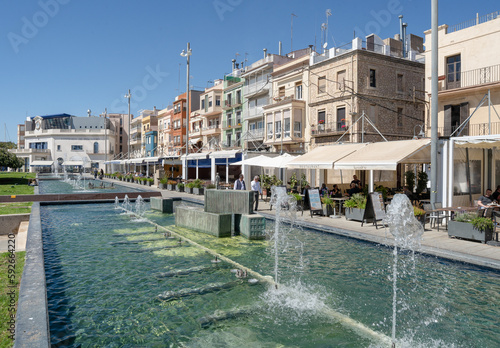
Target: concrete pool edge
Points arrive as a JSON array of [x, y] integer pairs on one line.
[[32, 317]]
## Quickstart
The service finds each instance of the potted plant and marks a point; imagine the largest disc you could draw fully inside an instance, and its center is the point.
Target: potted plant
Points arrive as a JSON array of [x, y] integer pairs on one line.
[[293, 181], [422, 180], [419, 215], [149, 181], [303, 182], [328, 204], [470, 226], [180, 187], [163, 183], [266, 185], [355, 207], [189, 187], [171, 185], [198, 188], [410, 180]]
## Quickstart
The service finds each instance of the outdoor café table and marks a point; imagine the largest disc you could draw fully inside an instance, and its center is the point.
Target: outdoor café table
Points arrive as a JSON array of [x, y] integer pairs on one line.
[[341, 201]]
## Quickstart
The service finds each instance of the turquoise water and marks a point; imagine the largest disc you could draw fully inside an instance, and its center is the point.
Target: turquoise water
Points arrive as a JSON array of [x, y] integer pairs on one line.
[[60, 186], [106, 295]]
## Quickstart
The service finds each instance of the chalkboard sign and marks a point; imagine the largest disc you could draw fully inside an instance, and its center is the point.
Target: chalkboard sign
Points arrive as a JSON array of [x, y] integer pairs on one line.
[[315, 201], [375, 208]]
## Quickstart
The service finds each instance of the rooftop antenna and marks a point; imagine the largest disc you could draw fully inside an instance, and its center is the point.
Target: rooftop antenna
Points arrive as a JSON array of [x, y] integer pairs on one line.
[[328, 14], [291, 32], [324, 44]]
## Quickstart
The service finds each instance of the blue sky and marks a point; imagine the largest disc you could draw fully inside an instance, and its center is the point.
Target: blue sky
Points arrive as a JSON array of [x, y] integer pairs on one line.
[[68, 56]]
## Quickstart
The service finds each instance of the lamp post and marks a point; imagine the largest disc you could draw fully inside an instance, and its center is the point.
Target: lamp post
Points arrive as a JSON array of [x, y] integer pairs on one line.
[[128, 95], [186, 53], [420, 134], [106, 139]]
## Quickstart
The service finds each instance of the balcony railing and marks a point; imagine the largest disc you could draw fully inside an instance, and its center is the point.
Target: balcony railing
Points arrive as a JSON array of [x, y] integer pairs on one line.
[[329, 128], [256, 134], [474, 129], [230, 123], [476, 77], [473, 22]]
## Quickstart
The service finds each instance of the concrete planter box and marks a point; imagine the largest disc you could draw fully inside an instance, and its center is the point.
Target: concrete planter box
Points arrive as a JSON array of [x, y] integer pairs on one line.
[[172, 187], [179, 189], [199, 191], [188, 189], [327, 210], [355, 214], [161, 186], [466, 230]]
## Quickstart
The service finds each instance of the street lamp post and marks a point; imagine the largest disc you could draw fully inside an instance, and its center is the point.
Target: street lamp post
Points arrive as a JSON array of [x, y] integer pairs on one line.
[[128, 95], [186, 53], [420, 134]]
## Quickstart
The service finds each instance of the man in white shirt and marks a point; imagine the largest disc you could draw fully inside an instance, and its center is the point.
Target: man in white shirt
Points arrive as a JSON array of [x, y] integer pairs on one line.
[[255, 186], [240, 184]]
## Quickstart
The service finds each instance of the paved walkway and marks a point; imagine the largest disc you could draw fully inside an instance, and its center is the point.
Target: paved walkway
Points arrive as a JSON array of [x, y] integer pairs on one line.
[[434, 242]]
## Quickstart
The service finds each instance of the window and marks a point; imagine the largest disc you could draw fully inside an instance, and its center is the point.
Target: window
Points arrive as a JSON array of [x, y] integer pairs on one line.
[[217, 100], [297, 129], [298, 90], [260, 124], [454, 116], [373, 81], [281, 92], [76, 147], [269, 130], [341, 80], [399, 83], [238, 139], [228, 99], [238, 97], [228, 139], [58, 147], [277, 129], [209, 102], [238, 117], [453, 70], [321, 117], [322, 84], [96, 147], [399, 120], [341, 119], [203, 103], [229, 119], [287, 127]]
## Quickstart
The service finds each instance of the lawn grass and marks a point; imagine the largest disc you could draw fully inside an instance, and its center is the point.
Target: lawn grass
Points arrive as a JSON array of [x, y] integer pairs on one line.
[[15, 208], [16, 183], [5, 288]]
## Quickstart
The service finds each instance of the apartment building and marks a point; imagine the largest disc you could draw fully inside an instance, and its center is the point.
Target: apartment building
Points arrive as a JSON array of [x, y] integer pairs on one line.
[[367, 91], [286, 114], [164, 123], [205, 130], [179, 120], [234, 104]]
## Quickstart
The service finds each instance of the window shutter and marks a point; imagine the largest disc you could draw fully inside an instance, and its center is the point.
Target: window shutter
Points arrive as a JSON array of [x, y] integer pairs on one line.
[[447, 120]]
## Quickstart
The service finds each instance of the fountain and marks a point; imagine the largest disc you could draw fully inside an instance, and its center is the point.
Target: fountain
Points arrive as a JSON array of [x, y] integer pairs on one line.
[[140, 206], [117, 203], [332, 291], [407, 232], [126, 204]]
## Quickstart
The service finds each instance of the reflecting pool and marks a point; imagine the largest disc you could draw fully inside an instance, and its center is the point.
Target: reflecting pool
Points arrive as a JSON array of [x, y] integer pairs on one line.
[[105, 271], [71, 186]]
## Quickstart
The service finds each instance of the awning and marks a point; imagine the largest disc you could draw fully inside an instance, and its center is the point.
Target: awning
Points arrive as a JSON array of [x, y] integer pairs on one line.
[[478, 142], [113, 162], [73, 163], [224, 154], [196, 156], [323, 157], [42, 163], [151, 159], [278, 162], [386, 155], [194, 140], [252, 161], [136, 160]]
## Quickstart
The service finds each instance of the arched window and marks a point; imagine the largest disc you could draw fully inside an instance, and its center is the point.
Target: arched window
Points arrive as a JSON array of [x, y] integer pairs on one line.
[[96, 147]]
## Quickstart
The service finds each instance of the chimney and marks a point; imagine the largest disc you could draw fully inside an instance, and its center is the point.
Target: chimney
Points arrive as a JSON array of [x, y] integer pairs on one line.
[[404, 39], [279, 48], [265, 52], [234, 63]]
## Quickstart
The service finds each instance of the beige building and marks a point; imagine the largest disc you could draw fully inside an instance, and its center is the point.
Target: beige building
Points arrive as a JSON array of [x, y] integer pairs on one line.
[[164, 124], [205, 123], [468, 70], [286, 114]]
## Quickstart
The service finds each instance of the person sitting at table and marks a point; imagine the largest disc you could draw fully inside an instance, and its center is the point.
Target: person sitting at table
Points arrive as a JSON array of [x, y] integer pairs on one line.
[[354, 189], [485, 199], [496, 195], [323, 191], [407, 192], [336, 192]]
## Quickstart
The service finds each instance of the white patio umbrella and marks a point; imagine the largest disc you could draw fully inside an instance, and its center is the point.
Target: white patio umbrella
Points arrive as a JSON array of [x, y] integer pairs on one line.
[[253, 161], [277, 162]]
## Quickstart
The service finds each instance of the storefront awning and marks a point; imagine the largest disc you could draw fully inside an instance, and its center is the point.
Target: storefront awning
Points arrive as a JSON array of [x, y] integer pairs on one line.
[[324, 157], [151, 159], [196, 156], [253, 161], [42, 163], [224, 154], [478, 142], [387, 155]]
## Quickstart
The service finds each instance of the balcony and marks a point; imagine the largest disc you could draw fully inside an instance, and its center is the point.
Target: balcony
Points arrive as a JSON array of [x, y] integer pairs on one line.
[[329, 128], [230, 123], [195, 132], [210, 130], [475, 77], [256, 134], [472, 130]]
